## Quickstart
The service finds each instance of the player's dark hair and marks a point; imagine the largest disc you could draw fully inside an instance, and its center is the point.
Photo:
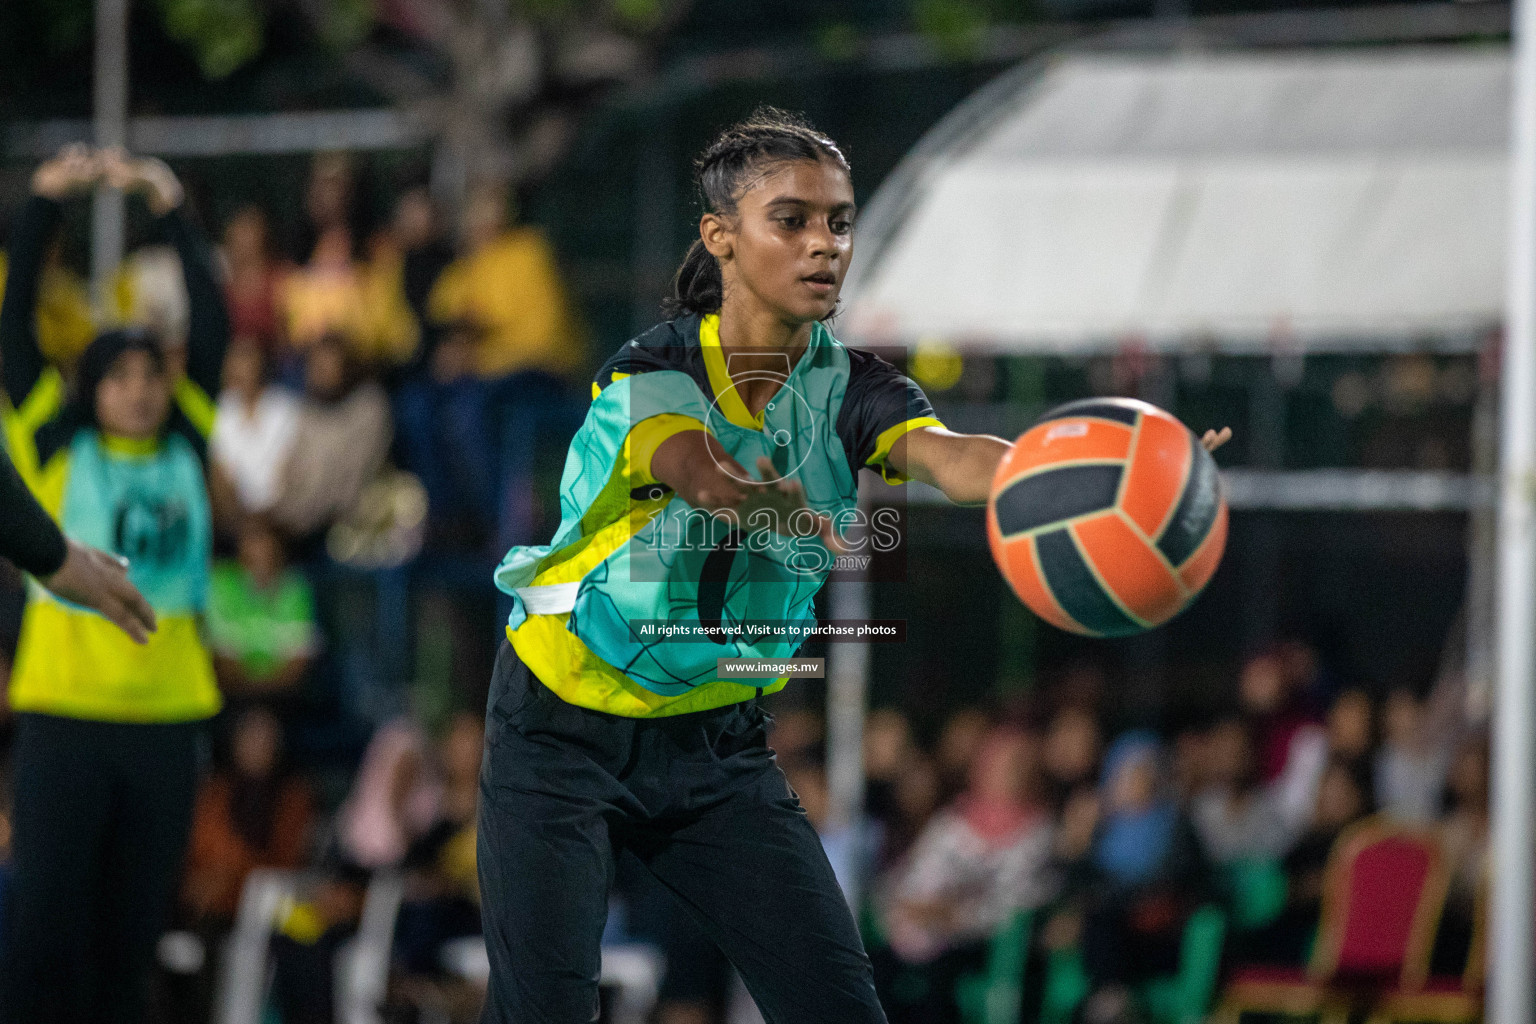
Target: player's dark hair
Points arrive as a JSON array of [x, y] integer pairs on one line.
[[100, 356], [739, 157]]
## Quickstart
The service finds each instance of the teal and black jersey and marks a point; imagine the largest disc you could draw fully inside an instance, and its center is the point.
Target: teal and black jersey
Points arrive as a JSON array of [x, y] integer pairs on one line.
[[631, 557]]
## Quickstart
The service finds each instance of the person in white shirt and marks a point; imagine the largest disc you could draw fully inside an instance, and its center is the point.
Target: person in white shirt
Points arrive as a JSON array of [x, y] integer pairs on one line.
[[254, 428], [979, 859]]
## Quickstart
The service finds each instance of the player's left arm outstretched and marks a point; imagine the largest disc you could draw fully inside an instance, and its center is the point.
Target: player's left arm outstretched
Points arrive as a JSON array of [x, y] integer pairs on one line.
[[962, 465]]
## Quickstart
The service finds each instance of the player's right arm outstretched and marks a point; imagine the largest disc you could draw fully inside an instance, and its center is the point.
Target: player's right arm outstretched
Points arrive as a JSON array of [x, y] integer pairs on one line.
[[962, 465]]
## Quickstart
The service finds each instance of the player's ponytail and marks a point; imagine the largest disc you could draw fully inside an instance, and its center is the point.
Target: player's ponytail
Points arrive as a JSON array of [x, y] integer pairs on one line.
[[740, 156], [697, 286]]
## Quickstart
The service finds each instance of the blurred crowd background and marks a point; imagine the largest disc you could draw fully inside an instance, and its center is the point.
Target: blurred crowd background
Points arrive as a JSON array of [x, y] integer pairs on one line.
[[415, 321]]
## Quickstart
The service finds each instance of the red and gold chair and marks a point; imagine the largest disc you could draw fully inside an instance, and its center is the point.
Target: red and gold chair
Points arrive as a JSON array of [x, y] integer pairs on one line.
[[1451, 999], [1383, 891]]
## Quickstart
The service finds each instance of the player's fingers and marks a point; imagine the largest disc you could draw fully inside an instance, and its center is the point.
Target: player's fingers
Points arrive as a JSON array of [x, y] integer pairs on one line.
[[137, 606], [1214, 439], [120, 616], [765, 469]]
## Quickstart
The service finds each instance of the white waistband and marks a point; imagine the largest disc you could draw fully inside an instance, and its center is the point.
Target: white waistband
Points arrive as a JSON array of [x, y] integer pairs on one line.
[[550, 599]]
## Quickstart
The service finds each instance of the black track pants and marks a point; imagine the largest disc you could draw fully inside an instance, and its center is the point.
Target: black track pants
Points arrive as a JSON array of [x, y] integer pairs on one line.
[[698, 799], [101, 819]]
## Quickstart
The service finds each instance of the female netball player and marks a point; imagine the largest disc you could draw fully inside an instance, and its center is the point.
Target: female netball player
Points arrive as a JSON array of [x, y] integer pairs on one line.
[[605, 735], [107, 730]]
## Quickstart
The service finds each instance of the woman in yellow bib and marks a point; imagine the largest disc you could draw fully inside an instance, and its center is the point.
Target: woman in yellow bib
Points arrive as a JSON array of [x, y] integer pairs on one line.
[[108, 731]]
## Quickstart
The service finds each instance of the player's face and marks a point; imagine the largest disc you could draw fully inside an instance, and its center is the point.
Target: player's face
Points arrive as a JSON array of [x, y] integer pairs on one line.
[[792, 239], [134, 397]]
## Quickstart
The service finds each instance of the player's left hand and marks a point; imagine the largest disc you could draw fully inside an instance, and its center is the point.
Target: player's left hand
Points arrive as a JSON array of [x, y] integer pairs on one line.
[[147, 176], [1213, 439]]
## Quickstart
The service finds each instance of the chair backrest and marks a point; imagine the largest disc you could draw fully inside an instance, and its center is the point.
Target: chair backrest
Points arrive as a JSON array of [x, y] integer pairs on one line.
[[1383, 891]]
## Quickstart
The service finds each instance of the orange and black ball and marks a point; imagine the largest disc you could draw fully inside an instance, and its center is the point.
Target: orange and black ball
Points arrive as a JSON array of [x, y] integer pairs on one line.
[[1107, 517]]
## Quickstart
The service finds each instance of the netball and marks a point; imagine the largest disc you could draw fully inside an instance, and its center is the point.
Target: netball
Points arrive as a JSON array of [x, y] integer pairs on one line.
[[1107, 517]]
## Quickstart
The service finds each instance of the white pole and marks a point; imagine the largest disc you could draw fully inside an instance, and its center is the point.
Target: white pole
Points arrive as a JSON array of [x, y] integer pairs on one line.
[[847, 695], [111, 129], [1513, 906]]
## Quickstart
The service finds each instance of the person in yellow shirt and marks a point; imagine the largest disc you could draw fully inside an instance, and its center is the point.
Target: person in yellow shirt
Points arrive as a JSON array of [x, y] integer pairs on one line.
[[507, 290], [363, 302], [505, 349]]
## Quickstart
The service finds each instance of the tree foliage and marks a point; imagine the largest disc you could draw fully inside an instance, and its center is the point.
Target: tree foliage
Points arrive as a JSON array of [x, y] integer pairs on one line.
[[223, 35]]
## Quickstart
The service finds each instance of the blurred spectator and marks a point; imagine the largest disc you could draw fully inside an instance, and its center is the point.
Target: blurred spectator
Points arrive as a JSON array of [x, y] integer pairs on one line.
[[443, 896], [261, 618], [507, 288], [149, 290], [1237, 819], [1277, 709], [361, 303], [344, 424], [1343, 798], [1073, 742], [506, 346], [797, 736], [977, 861], [1464, 836], [252, 278], [1412, 763], [1351, 725], [307, 941], [448, 438], [252, 814], [901, 783], [253, 431], [1347, 735], [324, 296], [917, 798], [394, 800], [957, 745], [1138, 880], [330, 198], [418, 230], [64, 322], [389, 334], [1188, 770], [334, 293], [888, 746]]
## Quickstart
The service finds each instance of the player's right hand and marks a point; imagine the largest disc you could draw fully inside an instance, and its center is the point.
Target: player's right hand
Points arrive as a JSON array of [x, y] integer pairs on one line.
[[98, 580]]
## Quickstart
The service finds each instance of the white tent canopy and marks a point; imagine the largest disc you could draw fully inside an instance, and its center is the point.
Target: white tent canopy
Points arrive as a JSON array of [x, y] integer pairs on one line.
[[1331, 200]]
